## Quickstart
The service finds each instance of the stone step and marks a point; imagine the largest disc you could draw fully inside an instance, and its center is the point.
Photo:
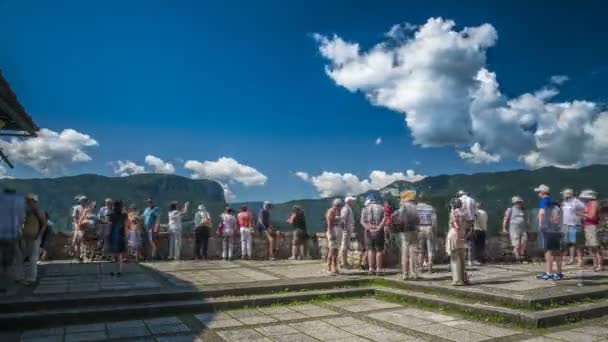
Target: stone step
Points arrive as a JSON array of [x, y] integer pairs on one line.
[[84, 300], [36, 319], [569, 295], [529, 318]]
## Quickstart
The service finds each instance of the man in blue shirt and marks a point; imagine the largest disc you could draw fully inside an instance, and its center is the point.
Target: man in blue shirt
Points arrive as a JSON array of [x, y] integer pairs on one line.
[[152, 226], [549, 234], [265, 227]]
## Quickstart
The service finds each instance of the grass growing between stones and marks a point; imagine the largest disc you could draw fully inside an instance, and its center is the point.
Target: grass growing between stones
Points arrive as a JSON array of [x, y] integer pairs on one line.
[[553, 304], [463, 313]]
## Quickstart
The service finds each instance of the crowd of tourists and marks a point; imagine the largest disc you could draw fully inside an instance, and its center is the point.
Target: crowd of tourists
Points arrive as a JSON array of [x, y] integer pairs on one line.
[[120, 233], [565, 230]]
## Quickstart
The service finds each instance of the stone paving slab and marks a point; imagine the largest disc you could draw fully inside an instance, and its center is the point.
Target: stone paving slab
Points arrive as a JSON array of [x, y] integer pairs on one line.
[[515, 282], [387, 322]]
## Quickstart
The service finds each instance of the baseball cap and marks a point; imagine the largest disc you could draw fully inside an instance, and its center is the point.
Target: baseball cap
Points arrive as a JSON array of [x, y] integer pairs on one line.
[[516, 199], [542, 188], [567, 192], [349, 198]]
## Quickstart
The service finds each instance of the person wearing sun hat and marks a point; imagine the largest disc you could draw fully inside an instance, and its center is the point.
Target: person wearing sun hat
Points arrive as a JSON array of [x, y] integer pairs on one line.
[[572, 212], [406, 218], [515, 223], [549, 233], [590, 224], [372, 219], [427, 226]]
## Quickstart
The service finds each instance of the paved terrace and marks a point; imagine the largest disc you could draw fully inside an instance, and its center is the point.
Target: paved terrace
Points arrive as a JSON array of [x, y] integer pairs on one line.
[[360, 319], [74, 280]]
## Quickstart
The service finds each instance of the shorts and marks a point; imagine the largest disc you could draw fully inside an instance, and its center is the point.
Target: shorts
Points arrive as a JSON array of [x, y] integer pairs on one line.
[[426, 239], [573, 235], [374, 241], [518, 238], [553, 241], [591, 236], [299, 235], [333, 242]]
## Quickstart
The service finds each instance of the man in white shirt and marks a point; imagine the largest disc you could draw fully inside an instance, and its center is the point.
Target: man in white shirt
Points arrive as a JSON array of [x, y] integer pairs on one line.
[[479, 235], [348, 225], [469, 210], [573, 210], [175, 229], [77, 234]]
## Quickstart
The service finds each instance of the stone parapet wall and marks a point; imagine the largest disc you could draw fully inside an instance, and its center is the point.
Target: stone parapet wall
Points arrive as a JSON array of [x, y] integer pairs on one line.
[[497, 247], [59, 246]]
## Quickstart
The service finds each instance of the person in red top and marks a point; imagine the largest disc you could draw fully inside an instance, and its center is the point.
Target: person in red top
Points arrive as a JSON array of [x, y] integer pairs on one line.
[[591, 221], [388, 213], [245, 220]]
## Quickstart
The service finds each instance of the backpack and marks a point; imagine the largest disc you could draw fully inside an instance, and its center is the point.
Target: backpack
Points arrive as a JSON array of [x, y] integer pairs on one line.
[[31, 225], [407, 217]]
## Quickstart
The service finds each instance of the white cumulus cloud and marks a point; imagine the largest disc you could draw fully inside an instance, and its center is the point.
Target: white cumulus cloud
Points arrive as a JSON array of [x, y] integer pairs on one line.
[[50, 153], [226, 169], [302, 175], [330, 184], [437, 76], [378, 140], [127, 168], [559, 79], [159, 166], [478, 156]]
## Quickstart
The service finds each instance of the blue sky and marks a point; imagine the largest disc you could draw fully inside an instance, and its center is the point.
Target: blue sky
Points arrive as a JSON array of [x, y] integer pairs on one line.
[[193, 80]]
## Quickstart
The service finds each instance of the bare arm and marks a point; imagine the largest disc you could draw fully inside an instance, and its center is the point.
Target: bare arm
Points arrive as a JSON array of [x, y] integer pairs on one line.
[[505, 221], [541, 217]]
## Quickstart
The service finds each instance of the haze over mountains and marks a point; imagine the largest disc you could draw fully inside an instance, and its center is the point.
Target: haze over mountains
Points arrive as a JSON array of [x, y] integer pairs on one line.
[[493, 190]]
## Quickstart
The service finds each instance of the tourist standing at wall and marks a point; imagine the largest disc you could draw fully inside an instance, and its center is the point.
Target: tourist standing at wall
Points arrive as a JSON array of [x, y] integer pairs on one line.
[[77, 234], [549, 234], [573, 211], [119, 223], [515, 223], [245, 221], [406, 218], [590, 224], [455, 243], [33, 229], [348, 226], [298, 222], [479, 235], [469, 210], [151, 227], [103, 222], [427, 227], [334, 232], [175, 229], [135, 235], [87, 225], [228, 228], [202, 231], [265, 227], [372, 219]]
